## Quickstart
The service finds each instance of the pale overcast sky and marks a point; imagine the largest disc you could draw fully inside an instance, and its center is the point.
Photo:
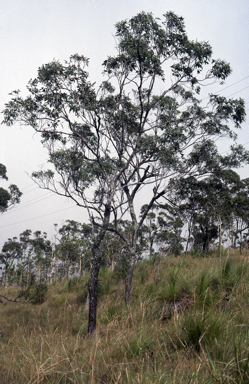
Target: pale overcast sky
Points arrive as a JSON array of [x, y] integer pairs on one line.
[[34, 32]]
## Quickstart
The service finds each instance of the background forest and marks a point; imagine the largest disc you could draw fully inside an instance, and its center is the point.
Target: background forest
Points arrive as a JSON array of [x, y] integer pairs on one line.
[[209, 215]]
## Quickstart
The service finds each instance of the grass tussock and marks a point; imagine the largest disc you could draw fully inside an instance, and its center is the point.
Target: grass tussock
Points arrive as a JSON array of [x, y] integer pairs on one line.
[[188, 323]]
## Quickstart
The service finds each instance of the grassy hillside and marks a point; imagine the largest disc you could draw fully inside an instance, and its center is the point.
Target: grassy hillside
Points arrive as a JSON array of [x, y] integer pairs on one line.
[[188, 323]]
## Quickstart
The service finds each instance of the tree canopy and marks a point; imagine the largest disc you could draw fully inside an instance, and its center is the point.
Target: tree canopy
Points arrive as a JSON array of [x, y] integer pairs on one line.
[[10, 197]]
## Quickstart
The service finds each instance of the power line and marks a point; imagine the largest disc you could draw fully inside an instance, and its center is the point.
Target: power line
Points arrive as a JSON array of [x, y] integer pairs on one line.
[[30, 185], [38, 217], [34, 189], [25, 205], [232, 84], [60, 210], [221, 90], [228, 95], [229, 149], [237, 91]]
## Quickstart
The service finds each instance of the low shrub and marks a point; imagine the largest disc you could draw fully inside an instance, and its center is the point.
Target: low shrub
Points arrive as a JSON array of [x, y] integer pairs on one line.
[[201, 329], [34, 294]]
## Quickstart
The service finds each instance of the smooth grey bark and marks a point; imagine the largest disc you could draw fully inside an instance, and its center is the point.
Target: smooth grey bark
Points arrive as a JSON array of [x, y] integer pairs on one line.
[[189, 234], [133, 247], [135, 229]]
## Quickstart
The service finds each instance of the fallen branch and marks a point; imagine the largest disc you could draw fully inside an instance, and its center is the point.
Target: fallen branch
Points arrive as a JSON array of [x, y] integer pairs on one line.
[[13, 301]]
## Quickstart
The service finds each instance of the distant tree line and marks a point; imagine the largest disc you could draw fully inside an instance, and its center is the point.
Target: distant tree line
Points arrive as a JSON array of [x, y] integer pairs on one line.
[[206, 214]]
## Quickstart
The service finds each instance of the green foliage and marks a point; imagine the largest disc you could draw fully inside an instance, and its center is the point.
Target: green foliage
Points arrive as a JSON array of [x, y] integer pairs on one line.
[[201, 329], [103, 287], [10, 197], [163, 228], [138, 346], [104, 282], [154, 259], [226, 270], [206, 289], [81, 296], [35, 293], [231, 274], [150, 289], [3, 172], [121, 267], [241, 362], [113, 312], [204, 203], [172, 286], [4, 199], [72, 284], [29, 256], [75, 244]]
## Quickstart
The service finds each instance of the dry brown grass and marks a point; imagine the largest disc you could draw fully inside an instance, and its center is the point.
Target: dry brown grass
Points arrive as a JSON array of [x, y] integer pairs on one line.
[[48, 343]]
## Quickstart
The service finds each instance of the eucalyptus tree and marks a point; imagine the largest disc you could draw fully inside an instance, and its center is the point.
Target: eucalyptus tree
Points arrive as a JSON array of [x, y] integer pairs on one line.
[[26, 256], [16, 255], [211, 204], [198, 200], [142, 126], [41, 253], [164, 229], [116, 252], [74, 245], [10, 255], [73, 119], [8, 198], [159, 73], [169, 237], [150, 227], [240, 215]]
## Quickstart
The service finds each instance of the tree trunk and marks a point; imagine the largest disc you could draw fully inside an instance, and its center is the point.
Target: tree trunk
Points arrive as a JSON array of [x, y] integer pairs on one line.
[[151, 245], [66, 266], [97, 250], [38, 275], [56, 268], [220, 241], [128, 280], [49, 273], [80, 267], [240, 245], [92, 289], [189, 234], [228, 246]]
